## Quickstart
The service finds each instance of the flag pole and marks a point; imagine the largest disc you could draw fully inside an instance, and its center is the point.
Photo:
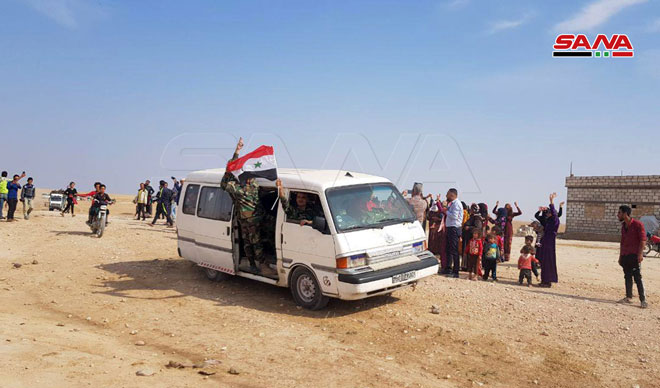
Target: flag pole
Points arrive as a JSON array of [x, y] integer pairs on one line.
[[278, 196]]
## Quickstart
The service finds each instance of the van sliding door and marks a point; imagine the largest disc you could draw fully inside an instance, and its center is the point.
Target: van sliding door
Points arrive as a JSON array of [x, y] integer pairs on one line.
[[213, 229]]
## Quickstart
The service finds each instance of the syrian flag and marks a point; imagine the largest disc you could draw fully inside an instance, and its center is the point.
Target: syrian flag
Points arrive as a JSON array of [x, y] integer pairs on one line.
[[259, 163]]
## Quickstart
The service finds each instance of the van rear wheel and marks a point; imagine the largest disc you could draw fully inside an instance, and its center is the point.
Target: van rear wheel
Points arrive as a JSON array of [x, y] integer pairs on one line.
[[306, 290]]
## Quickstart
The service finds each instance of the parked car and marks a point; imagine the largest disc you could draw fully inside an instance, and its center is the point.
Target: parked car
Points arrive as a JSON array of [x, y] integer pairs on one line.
[[56, 200]]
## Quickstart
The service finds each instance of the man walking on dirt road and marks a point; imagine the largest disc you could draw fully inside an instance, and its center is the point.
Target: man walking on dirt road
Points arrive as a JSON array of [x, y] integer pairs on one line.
[[633, 240]]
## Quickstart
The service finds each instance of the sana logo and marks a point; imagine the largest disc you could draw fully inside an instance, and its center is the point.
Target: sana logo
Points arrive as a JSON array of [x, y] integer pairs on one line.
[[569, 45]]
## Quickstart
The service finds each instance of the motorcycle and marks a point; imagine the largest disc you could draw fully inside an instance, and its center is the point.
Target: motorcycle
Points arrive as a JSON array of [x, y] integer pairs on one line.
[[652, 244], [99, 221]]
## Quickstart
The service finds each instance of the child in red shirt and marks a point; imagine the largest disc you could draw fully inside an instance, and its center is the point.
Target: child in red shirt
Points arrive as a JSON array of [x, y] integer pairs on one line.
[[500, 241], [475, 250], [525, 265]]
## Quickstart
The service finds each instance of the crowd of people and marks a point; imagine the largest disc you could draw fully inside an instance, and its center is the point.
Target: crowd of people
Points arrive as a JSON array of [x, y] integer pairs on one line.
[[463, 238], [9, 196], [468, 238], [472, 239], [165, 199]]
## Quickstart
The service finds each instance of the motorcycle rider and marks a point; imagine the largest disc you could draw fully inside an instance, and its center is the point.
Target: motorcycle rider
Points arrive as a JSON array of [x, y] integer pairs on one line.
[[100, 198]]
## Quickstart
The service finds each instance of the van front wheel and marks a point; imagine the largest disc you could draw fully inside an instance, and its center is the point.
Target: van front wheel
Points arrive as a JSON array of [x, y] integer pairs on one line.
[[214, 275], [306, 290]]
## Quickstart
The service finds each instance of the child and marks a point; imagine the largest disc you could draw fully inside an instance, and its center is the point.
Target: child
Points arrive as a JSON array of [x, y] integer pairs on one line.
[[475, 251], [71, 194], [525, 265], [500, 241], [491, 255], [529, 242], [538, 229]]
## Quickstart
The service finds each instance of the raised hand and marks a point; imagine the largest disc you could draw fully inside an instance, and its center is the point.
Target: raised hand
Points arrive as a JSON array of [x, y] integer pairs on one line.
[[239, 146], [405, 193], [516, 204], [561, 204]]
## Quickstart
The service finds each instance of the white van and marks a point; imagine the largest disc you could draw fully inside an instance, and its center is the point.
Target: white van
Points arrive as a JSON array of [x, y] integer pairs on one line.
[[364, 239]]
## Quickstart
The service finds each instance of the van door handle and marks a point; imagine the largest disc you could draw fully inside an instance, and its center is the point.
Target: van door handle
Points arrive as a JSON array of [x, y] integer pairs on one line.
[[281, 238], [228, 231]]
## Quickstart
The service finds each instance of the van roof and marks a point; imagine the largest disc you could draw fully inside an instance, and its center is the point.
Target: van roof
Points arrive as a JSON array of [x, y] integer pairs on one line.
[[317, 180]]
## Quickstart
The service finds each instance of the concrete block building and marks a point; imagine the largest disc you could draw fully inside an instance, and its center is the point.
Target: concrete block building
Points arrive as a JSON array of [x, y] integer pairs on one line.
[[593, 201]]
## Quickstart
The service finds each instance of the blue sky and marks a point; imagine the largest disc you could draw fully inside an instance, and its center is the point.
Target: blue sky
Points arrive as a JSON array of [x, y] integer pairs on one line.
[[458, 92]]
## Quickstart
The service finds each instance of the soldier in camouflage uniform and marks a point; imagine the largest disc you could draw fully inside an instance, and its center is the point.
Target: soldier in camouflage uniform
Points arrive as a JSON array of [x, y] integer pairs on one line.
[[246, 201], [301, 211]]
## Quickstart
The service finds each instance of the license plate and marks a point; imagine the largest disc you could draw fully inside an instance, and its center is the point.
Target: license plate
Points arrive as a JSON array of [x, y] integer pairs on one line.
[[402, 277]]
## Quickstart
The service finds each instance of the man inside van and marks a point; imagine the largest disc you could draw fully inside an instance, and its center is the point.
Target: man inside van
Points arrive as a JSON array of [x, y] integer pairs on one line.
[[246, 200], [302, 211]]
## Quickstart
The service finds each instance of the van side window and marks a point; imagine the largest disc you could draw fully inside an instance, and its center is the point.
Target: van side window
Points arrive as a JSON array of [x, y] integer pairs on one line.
[[190, 199], [214, 203], [312, 208]]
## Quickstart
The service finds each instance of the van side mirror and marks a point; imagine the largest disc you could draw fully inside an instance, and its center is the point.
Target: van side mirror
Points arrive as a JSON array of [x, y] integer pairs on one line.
[[320, 224]]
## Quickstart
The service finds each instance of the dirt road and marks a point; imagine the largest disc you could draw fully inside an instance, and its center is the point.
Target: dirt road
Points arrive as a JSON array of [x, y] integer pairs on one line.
[[94, 312]]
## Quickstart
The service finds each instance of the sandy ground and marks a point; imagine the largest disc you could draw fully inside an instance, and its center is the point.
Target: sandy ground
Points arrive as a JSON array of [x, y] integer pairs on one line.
[[94, 312]]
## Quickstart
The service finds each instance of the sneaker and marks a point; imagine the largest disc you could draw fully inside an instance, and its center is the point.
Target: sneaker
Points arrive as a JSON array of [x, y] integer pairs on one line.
[[625, 301], [2, 217], [643, 304], [255, 269], [455, 276]]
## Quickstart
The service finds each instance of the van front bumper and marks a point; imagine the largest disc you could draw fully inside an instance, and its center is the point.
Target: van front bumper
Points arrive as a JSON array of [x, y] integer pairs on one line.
[[366, 284]]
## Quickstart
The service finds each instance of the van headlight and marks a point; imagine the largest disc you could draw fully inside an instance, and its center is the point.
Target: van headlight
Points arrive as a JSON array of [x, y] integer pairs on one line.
[[352, 261]]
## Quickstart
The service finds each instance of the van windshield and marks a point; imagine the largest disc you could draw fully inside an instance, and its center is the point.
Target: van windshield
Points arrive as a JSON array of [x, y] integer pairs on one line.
[[367, 206]]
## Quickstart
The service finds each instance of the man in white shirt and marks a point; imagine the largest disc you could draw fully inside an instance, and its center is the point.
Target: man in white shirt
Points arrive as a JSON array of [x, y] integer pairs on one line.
[[454, 224]]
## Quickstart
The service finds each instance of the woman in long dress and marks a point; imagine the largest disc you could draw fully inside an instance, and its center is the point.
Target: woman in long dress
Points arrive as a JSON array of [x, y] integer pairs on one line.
[[547, 250], [437, 232], [508, 227]]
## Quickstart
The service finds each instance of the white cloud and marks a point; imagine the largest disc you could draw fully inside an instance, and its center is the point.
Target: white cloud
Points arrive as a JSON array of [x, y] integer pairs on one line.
[[595, 14], [654, 26], [67, 13], [457, 3], [502, 25]]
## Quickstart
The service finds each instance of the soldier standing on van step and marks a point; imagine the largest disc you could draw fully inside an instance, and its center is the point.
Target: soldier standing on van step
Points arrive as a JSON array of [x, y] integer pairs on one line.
[[246, 200]]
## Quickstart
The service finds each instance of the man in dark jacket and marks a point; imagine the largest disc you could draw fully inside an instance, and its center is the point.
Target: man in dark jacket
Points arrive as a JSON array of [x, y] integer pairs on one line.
[[27, 196], [150, 193], [164, 199]]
